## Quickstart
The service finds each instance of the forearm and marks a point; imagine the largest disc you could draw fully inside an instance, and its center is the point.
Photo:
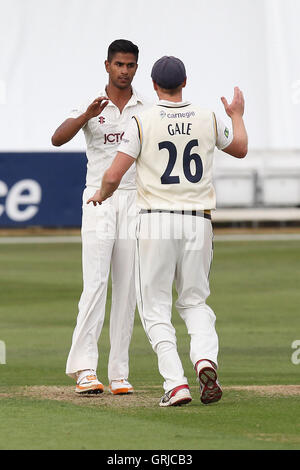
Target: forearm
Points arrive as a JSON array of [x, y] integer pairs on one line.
[[68, 129], [109, 185], [239, 131], [239, 145], [112, 178]]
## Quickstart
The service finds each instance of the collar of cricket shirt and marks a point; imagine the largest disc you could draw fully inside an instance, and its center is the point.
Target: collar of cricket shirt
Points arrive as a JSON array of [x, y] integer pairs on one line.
[[133, 100], [171, 104]]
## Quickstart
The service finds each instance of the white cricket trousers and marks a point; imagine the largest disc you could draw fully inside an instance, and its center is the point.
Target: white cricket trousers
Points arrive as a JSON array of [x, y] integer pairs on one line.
[[108, 244], [175, 247]]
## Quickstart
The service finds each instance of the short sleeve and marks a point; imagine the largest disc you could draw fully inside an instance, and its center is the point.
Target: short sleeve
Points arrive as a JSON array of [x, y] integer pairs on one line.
[[224, 135], [131, 141], [76, 111]]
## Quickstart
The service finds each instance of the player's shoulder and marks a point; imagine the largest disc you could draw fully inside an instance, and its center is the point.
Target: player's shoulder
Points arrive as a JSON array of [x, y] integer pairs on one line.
[[141, 100], [201, 114], [145, 111], [196, 108], [85, 100]]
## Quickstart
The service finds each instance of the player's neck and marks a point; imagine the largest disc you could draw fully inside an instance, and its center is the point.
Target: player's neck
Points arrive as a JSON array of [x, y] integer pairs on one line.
[[118, 96], [176, 98]]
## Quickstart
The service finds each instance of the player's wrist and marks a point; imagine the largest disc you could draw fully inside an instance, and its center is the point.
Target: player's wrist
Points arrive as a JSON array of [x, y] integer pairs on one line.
[[237, 116], [86, 116]]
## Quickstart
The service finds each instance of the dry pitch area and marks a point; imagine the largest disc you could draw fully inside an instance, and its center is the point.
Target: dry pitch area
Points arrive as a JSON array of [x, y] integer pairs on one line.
[[141, 398]]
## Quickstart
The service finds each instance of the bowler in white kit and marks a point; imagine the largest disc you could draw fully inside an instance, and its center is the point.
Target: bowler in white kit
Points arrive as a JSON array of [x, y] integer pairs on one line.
[[105, 244], [173, 145]]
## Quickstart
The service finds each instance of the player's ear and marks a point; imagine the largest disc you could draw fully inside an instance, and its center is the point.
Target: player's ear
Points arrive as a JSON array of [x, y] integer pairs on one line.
[[184, 83], [106, 64], [154, 85]]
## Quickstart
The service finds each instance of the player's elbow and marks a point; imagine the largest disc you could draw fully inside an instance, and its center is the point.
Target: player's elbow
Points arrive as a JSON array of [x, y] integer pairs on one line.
[[237, 149], [56, 141], [242, 152]]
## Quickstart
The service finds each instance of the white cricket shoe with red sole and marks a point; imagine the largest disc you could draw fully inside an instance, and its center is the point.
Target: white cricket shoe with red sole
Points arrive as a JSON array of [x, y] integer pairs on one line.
[[176, 397]]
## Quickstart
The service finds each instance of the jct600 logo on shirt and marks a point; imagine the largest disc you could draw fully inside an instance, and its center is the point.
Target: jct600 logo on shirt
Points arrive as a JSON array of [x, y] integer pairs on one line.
[[113, 138]]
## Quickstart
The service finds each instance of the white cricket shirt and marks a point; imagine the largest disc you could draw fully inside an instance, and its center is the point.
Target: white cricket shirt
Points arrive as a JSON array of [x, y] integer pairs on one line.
[[174, 146], [103, 135]]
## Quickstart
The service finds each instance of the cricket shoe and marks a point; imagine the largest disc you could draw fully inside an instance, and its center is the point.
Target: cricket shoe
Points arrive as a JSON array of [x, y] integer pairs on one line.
[[89, 385], [210, 390], [120, 387], [176, 397]]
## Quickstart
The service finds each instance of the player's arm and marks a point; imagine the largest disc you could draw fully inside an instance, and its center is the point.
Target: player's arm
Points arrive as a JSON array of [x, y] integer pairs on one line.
[[112, 177], [239, 146], [71, 126]]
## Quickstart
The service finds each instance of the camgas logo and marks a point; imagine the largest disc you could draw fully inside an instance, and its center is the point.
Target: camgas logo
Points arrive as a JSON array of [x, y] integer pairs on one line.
[[188, 114]]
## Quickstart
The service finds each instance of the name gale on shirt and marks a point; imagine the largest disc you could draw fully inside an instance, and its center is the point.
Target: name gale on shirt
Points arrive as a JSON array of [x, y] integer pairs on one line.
[[181, 128]]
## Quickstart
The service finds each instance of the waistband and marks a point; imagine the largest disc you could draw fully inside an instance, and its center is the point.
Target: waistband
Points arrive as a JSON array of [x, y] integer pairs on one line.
[[205, 214]]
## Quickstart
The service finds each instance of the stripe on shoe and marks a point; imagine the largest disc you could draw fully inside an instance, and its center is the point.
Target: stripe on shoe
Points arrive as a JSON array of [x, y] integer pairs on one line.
[[121, 391], [91, 389], [176, 389]]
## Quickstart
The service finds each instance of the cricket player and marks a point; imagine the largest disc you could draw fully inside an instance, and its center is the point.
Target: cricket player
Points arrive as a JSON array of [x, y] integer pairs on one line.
[[105, 244], [173, 145]]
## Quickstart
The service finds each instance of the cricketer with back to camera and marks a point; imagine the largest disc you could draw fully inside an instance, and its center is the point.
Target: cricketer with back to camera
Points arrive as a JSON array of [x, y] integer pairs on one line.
[[173, 145], [104, 245]]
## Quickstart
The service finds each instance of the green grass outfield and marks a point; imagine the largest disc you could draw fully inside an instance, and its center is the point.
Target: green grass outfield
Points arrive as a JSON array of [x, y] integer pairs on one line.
[[256, 297]]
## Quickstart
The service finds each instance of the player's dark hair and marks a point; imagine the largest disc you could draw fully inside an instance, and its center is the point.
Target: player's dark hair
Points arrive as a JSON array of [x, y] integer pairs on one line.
[[122, 45]]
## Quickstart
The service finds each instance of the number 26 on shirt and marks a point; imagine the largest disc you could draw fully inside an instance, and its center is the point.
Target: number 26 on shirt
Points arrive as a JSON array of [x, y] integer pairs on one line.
[[188, 158]]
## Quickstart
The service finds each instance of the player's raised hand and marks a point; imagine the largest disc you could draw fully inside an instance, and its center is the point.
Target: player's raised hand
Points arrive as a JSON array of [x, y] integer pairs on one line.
[[237, 106], [96, 107]]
